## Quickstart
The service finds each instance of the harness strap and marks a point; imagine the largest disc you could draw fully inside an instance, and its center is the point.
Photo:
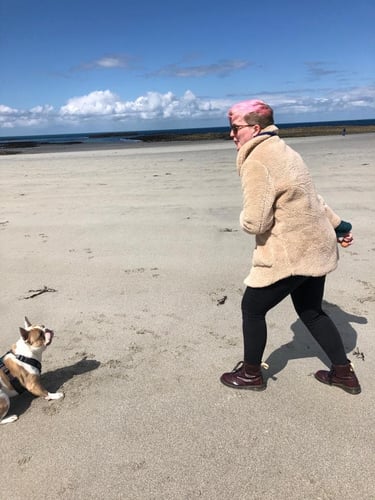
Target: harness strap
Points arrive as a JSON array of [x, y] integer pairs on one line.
[[17, 386], [30, 361]]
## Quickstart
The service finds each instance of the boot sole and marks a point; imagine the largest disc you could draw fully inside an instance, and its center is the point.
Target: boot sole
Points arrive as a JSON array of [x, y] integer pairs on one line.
[[349, 390], [247, 387]]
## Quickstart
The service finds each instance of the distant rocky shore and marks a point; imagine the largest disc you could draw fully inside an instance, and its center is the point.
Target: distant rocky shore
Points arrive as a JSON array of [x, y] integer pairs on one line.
[[284, 132], [30, 146]]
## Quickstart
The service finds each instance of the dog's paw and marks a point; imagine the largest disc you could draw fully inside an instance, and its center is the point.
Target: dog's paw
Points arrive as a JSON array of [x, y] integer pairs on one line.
[[54, 395], [8, 420]]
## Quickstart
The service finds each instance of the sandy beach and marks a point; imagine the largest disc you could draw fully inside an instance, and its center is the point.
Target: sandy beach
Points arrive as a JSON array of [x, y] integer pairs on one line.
[[137, 249]]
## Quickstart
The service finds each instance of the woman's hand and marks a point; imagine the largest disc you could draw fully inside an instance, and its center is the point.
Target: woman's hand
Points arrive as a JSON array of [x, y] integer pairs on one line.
[[346, 240]]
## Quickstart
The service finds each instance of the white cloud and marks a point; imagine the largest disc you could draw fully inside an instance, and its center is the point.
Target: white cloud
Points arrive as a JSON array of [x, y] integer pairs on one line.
[[104, 108], [221, 68], [100, 102], [11, 118], [352, 101], [4, 110], [110, 62], [318, 69], [151, 106], [106, 62]]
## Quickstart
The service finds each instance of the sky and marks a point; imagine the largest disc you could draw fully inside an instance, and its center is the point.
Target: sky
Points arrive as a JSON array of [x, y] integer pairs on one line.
[[75, 66]]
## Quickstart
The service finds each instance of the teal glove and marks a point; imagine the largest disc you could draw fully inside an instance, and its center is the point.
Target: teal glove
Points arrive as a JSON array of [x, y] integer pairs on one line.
[[343, 228]]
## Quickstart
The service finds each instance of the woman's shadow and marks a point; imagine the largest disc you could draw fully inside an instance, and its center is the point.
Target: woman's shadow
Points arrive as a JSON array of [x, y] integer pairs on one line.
[[304, 345], [52, 381]]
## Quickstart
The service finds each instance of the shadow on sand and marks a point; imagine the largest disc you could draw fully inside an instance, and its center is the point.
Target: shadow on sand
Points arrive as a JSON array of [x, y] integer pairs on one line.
[[52, 381], [303, 344]]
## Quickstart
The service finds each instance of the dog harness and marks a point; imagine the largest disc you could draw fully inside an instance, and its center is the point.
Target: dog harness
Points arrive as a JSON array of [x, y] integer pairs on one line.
[[14, 380]]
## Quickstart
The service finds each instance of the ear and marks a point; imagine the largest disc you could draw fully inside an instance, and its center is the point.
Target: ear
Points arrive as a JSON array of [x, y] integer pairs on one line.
[[257, 129], [24, 334], [27, 323]]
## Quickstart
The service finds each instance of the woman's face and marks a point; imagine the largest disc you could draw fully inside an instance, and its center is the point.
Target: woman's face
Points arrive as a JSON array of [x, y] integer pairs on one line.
[[241, 132]]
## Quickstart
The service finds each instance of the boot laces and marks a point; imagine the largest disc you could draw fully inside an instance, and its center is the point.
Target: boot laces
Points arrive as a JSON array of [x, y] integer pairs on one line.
[[238, 367], [240, 364], [333, 373]]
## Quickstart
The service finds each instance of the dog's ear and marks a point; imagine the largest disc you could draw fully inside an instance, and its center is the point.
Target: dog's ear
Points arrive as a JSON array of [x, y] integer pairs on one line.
[[24, 334], [27, 323]]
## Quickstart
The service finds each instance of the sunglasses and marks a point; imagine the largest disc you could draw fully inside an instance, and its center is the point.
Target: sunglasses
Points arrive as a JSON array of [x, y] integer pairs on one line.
[[236, 128]]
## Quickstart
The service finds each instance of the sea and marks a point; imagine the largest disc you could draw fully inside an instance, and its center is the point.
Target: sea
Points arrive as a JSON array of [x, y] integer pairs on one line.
[[149, 135]]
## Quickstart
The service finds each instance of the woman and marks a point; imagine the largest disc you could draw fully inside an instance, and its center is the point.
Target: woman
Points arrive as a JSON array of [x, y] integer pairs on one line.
[[296, 246]]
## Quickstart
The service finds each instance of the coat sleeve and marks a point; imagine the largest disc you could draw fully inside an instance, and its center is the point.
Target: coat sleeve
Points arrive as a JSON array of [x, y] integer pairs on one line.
[[332, 216], [257, 215]]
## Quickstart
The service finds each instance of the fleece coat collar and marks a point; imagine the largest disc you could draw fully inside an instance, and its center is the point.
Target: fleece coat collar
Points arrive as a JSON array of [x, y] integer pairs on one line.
[[246, 149]]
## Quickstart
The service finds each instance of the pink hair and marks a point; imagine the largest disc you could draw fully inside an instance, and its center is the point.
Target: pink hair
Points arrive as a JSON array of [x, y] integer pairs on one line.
[[244, 108]]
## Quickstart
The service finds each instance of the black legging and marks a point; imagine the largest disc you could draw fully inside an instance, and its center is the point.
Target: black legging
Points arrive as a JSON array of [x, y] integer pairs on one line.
[[307, 295]]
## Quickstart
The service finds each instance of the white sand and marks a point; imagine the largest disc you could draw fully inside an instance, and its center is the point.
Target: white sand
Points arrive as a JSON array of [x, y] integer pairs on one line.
[[140, 244]]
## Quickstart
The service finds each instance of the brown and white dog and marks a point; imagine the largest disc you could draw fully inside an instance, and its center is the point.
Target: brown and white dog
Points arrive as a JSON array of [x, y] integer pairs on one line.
[[20, 368]]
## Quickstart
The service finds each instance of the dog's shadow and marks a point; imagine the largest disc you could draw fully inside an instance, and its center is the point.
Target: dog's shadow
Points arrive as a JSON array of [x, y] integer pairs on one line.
[[52, 381], [304, 345]]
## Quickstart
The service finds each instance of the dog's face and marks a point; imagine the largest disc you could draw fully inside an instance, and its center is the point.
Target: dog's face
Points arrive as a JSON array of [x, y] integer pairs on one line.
[[38, 337]]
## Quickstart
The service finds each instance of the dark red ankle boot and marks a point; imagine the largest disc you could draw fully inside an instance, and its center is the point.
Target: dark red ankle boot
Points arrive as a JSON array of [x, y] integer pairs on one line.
[[342, 376], [244, 376]]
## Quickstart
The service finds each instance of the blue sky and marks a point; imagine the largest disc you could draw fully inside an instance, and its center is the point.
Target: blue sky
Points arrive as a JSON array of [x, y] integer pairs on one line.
[[78, 66]]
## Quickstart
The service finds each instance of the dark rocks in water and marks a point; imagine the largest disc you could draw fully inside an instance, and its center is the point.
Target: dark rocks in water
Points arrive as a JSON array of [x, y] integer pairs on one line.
[[18, 144], [183, 137]]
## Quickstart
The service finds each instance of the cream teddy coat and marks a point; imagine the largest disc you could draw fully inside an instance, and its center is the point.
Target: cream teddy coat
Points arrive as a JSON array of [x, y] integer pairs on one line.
[[293, 227]]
